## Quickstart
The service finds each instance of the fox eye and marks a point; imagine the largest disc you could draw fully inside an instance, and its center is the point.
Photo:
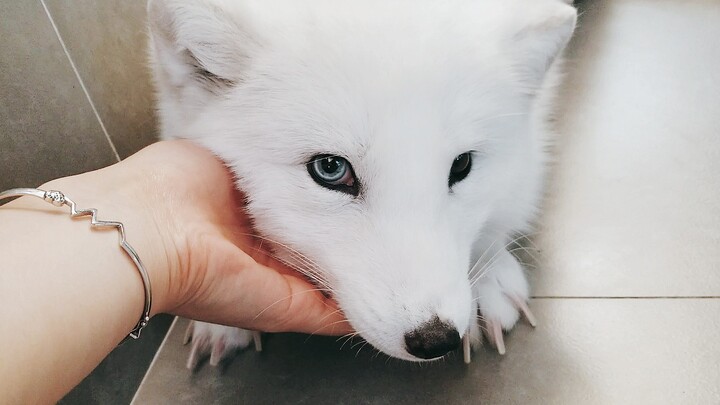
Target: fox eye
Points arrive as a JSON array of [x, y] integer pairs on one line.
[[333, 172], [460, 168]]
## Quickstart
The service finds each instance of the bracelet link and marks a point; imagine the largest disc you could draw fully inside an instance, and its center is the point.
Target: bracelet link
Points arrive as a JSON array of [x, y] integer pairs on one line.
[[55, 197]]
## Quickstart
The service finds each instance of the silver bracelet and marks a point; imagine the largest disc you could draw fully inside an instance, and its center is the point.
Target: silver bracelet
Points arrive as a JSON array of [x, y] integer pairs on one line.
[[58, 199]]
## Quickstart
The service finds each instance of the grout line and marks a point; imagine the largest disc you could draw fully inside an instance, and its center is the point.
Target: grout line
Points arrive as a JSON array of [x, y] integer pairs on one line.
[[639, 297], [82, 84], [155, 357]]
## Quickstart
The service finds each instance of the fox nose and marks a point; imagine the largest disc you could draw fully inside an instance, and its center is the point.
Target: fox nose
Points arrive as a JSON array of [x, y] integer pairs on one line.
[[432, 340]]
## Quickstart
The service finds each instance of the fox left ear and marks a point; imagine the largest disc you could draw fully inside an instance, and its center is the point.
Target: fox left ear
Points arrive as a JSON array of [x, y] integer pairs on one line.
[[197, 43], [547, 28]]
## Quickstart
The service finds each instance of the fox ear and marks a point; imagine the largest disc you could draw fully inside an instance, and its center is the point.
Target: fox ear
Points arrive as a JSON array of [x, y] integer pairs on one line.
[[547, 28], [196, 40]]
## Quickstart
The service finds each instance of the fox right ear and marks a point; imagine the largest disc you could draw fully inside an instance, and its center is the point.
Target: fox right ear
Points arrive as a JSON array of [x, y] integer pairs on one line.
[[546, 28], [196, 40]]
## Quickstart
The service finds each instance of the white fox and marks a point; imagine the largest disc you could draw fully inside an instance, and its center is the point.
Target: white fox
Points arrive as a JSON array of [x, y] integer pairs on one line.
[[390, 148]]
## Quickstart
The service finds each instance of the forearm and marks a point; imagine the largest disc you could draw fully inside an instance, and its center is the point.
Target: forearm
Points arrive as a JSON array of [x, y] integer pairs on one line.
[[69, 294], [85, 294]]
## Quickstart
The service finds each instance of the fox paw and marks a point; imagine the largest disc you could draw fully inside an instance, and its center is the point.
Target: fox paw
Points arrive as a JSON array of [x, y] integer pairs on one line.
[[502, 293], [218, 341]]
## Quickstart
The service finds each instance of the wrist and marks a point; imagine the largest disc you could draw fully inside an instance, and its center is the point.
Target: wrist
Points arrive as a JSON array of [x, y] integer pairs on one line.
[[119, 197]]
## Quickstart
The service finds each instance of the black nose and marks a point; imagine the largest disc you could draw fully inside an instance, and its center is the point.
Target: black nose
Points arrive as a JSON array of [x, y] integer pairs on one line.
[[433, 339]]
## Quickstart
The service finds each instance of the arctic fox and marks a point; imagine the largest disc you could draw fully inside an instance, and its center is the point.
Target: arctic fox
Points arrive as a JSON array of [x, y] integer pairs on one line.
[[390, 148]]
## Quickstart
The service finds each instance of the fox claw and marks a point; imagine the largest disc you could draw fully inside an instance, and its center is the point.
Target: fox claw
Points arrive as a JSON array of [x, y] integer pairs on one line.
[[467, 355], [523, 308], [196, 352], [502, 296], [493, 328], [218, 352], [216, 341], [494, 334], [257, 339], [189, 332]]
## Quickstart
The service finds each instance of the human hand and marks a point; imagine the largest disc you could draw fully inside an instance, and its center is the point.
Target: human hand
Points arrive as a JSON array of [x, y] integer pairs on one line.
[[185, 218]]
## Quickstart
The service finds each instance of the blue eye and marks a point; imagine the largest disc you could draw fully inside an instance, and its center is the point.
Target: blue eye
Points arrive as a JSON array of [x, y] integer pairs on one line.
[[333, 172], [331, 169]]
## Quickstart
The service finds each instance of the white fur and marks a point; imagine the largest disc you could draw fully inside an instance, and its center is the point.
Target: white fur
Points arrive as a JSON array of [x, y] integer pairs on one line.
[[399, 88]]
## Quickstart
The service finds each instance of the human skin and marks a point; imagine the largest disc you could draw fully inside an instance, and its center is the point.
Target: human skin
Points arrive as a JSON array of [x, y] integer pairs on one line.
[[69, 294]]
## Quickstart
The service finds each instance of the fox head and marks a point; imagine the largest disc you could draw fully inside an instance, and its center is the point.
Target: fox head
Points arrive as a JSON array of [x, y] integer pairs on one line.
[[377, 141]]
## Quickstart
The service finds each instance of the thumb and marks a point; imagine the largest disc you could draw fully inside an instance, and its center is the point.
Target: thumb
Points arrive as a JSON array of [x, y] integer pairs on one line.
[[273, 298], [288, 303], [303, 308]]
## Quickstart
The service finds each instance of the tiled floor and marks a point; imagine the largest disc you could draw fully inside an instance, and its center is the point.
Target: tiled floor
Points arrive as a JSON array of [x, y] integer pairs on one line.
[[628, 282], [628, 279], [48, 127], [107, 40], [585, 351], [634, 203]]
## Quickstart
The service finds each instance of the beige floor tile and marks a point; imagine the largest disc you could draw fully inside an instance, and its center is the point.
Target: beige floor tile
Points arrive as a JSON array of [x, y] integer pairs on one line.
[[584, 351], [47, 127], [634, 207], [107, 41]]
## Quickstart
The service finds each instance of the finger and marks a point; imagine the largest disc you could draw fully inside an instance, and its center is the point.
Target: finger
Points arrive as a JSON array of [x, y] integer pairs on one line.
[[293, 304], [265, 258], [260, 251], [258, 297], [310, 311]]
